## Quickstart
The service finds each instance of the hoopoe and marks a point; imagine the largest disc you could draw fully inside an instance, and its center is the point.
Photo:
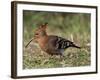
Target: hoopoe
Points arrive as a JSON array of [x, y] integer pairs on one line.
[[51, 44]]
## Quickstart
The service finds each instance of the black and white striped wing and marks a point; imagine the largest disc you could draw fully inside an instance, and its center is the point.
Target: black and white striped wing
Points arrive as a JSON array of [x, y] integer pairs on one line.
[[62, 43]]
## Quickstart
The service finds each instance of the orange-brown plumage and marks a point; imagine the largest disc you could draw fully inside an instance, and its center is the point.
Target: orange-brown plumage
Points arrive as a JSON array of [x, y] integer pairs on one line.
[[51, 44]]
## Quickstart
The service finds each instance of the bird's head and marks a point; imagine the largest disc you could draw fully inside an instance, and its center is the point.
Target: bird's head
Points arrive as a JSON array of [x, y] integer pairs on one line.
[[41, 31]]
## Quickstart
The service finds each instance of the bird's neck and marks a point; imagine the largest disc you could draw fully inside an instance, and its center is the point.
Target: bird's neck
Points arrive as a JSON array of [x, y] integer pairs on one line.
[[42, 41]]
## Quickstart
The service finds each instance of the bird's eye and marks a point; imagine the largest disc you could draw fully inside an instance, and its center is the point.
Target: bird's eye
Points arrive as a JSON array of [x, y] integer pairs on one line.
[[36, 34]]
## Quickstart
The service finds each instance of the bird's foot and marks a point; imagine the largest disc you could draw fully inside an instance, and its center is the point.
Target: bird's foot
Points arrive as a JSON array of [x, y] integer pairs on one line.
[[62, 57]]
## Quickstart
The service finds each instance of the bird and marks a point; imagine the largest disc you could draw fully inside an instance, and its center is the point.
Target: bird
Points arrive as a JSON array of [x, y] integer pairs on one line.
[[51, 44]]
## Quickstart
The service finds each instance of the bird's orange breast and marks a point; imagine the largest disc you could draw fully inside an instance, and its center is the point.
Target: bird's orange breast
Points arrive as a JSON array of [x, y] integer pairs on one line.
[[42, 42]]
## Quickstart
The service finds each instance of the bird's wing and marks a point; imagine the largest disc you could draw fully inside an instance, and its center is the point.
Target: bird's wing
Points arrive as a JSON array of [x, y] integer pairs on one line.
[[62, 43], [56, 42]]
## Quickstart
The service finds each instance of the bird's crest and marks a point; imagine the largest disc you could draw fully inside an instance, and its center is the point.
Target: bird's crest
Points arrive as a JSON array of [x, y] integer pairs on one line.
[[43, 26]]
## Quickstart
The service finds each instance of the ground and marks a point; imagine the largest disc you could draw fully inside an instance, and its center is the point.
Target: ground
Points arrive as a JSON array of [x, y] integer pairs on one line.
[[71, 26]]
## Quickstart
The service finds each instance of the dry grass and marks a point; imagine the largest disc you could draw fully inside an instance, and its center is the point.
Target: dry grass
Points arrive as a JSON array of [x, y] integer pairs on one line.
[[34, 57], [75, 27]]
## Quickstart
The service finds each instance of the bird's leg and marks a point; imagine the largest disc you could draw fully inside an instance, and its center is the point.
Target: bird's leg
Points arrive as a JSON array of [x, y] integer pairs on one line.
[[61, 56], [51, 55]]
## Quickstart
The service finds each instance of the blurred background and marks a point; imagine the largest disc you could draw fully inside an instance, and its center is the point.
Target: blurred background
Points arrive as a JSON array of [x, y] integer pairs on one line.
[[72, 26]]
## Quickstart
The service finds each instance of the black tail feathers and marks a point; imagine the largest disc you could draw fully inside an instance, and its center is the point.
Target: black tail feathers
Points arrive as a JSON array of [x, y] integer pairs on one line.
[[76, 46], [73, 45]]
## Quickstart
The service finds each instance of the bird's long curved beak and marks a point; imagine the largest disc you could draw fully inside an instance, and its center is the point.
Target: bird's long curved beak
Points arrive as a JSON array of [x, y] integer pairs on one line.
[[29, 42]]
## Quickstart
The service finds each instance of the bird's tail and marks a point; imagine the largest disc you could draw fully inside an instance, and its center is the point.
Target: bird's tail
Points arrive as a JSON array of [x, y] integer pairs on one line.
[[74, 45], [77, 46]]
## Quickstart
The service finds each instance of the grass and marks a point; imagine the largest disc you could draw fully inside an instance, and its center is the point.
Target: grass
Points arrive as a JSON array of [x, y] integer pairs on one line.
[[72, 26]]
